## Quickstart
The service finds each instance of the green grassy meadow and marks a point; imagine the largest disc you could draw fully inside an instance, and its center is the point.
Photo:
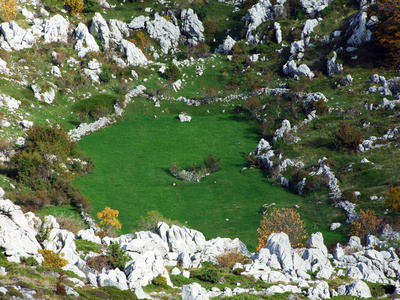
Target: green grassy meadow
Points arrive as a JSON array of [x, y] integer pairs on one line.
[[133, 157]]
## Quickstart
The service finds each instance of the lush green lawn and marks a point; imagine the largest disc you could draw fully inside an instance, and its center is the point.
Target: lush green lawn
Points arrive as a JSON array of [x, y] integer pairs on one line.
[[133, 157]]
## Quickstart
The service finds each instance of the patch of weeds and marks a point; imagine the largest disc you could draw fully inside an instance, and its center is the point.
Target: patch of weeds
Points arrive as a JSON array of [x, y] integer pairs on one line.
[[87, 246]]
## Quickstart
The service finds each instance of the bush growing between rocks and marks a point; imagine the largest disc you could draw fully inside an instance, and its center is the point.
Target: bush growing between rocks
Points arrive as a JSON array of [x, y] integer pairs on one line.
[[159, 280], [91, 6], [99, 262], [118, 257], [230, 258], [196, 171], [149, 223], [350, 196], [95, 106], [29, 261], [320, 107], [285, 220], [52, 260]]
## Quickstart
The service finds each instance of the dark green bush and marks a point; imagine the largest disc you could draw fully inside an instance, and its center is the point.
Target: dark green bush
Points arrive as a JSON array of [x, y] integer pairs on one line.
[[349, 196], [173, 72], [29, 261], [207, 275], [321, 107], [159, 280], [118, 257]]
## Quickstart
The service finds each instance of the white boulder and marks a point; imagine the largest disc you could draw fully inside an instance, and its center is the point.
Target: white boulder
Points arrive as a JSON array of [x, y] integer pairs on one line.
[[85, 41], [56, 29]]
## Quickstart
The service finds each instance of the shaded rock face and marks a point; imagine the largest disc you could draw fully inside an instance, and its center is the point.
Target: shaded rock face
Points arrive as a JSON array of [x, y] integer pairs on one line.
[[13, 37], [134, 56], [56, 29], [85, 41], [99, 27], [192, 27]]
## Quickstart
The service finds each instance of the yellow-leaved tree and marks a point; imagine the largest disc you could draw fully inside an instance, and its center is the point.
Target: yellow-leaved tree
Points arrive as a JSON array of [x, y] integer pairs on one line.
[[74, 7], [285, 220], [8, 10], [366, 223], [109, 220], [392, 201]]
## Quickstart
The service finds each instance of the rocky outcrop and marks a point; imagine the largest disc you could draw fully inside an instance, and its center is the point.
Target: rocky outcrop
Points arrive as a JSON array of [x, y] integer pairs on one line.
[[134, 56], [166, 32], [192, 27], [100, 28], [332, 67], [313, 8], [358, 30], [56, 29], [291, 69], [85, 41], [13, 37], [255, 16], [227, 46]]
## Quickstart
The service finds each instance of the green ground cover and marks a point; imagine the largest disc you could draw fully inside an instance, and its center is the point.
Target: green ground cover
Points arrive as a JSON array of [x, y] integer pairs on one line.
[[133, 157]]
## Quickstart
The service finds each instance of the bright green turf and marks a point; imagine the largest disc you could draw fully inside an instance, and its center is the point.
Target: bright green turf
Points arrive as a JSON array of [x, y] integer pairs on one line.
[[132, 159]]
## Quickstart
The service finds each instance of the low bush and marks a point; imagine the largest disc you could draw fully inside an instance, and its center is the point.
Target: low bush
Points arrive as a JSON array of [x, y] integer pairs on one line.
[[91, 6], [74, 7], [347, 138], [392, 201], [52, 260], [320, 107], [29, 261], [159, 280], [95, 106], [70, 223], [99, 262], [105, 76], [207, 275]]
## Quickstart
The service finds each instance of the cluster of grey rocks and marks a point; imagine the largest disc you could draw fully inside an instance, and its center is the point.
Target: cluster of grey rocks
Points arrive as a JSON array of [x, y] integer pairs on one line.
[[306, 271]]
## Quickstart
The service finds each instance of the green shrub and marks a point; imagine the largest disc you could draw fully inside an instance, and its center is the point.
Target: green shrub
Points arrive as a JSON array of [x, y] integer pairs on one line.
[[118, 257], [321, 107], [207, 275], [173, 72], [159, 280], [91, 6], [105, 76], [29, 261]]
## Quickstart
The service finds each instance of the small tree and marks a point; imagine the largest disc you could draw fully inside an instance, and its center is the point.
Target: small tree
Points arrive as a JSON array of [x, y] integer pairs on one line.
[[366, 223], [254, 106], [285, 220], [173, 72], [118, 257], [346, 137], [109, 220], [392, 201], [8, 9]]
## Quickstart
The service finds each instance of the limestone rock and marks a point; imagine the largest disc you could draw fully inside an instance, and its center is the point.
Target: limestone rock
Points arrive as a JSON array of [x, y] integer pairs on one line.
[[358, 289], [319, 291], [9, 102], [332, 67], [257, 15], [194, 291], [182, 239], [165, 32], [88, 235], [227, 46], [278, 32], [147, 241], [192, 27], [279, 244], [262, 147], [308, 28], [285, 129], [46, 96], [313, 7], [3, 67], [17, 236], [183, 117], [134, 56], [291, 69], [56, 29], [144, 268], [85, 41], [138, 22], [13, 37], [99, 27], [114, 277], [358, 30], [118, 29]]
